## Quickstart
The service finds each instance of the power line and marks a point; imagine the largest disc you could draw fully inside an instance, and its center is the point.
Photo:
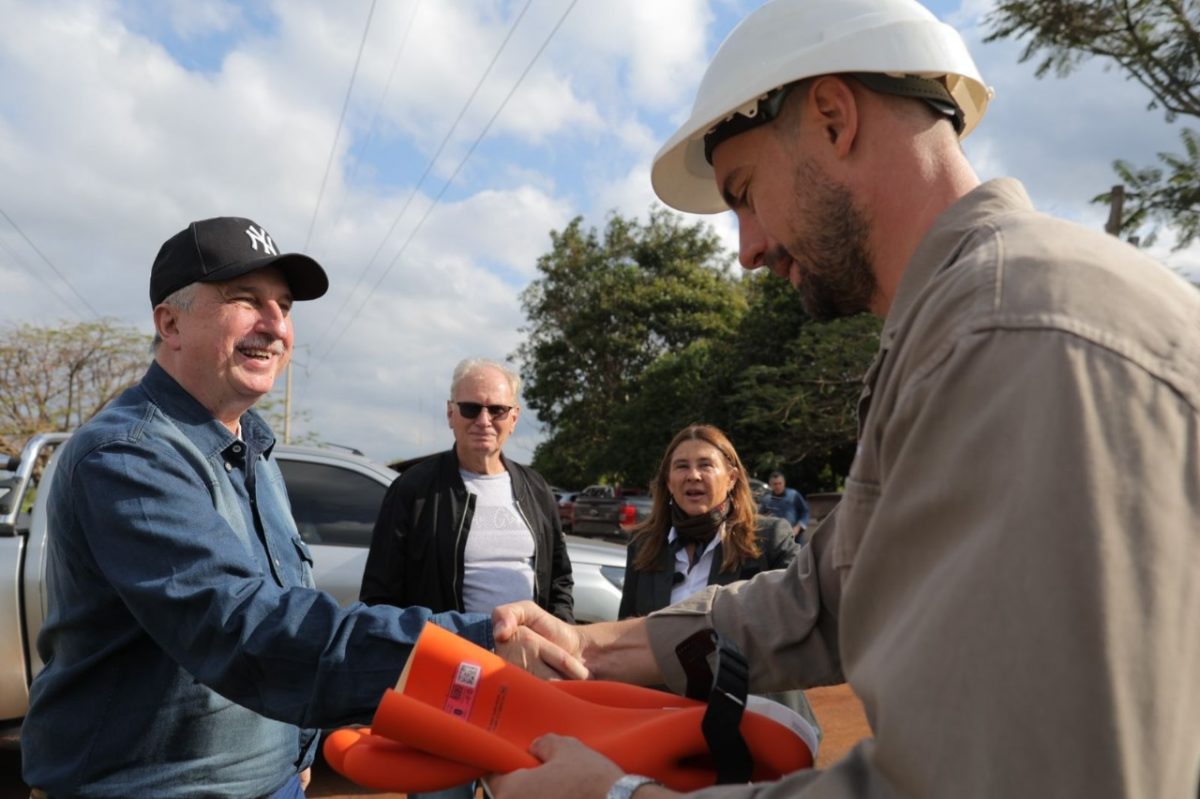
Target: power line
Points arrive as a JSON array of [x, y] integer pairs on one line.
[[53, 268], [421, 180], [341, 120], [50, 286], [450, 180], [371, 128]]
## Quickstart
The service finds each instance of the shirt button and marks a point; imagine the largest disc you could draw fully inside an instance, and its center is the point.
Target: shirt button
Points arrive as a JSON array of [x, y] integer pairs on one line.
[[228, 466], [237, 449]]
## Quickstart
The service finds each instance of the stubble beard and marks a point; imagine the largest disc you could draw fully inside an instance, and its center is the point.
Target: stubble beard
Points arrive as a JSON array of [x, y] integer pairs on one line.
[[831, 249]]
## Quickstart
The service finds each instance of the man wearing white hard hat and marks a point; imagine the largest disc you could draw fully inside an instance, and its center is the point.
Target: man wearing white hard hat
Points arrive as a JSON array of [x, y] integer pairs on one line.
[[1010, 581]]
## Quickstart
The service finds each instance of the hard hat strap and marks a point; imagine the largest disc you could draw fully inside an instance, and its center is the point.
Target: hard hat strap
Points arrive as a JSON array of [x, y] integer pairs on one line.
[[767, 107], [931, 90], [746, 118]]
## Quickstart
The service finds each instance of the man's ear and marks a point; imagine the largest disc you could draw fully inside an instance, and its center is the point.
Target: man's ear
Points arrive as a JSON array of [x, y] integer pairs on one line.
[[836, 110], [166, 324]]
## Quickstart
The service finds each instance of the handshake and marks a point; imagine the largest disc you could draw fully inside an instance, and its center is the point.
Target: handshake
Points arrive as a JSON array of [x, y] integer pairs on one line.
[[544, 645]]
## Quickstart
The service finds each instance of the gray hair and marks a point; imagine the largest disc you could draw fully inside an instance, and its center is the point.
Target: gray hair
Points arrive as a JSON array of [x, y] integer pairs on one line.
[[469, 365], [180, 299]]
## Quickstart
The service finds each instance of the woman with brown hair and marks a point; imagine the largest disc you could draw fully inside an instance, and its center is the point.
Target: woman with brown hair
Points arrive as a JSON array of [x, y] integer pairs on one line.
[[703, 530]]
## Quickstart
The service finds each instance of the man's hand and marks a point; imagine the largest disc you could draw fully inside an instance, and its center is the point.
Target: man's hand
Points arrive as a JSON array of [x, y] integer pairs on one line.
[[540, 648], [508, 620], [606, 650], [569, 769]]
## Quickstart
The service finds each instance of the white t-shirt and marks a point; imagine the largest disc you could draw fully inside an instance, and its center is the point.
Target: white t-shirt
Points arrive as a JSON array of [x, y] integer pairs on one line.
[[498, 561]]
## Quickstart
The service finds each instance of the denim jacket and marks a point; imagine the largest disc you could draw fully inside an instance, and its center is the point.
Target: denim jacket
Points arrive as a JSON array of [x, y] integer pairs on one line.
[[186, 650]]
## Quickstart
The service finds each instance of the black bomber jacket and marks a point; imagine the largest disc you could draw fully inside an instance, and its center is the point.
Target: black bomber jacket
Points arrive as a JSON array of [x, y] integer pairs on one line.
[[416, 555]]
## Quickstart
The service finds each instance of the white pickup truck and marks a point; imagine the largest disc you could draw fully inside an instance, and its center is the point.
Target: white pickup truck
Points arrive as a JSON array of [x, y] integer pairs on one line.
[[335, 496]]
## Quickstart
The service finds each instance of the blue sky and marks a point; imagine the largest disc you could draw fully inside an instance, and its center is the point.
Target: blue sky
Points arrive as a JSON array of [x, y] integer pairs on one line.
[[123, 120]]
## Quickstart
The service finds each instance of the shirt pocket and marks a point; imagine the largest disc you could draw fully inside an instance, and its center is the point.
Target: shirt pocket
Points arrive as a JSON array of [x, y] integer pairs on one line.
[[854, 514], [304, 560]]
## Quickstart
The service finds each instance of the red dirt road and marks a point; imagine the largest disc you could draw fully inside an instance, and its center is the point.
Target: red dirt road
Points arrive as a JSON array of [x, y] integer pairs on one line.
[[843, 723]]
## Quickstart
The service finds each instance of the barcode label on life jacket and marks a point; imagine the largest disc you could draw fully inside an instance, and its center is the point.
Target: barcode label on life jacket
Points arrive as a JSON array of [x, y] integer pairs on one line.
[[462, 691]]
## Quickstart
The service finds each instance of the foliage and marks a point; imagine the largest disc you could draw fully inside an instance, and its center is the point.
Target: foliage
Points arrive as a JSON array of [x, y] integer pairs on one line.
[[56, 378], [1152, 194], [1157, 43], [606, 306], [793, 398], [620, 357], [678, 389]]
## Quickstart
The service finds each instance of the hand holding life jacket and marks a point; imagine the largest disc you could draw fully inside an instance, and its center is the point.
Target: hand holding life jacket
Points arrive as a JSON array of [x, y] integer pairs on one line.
[[460, 712]]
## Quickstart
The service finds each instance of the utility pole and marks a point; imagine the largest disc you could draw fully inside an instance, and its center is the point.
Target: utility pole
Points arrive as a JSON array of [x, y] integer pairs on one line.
[[287, 406], [1116, 211], [1116, 215]]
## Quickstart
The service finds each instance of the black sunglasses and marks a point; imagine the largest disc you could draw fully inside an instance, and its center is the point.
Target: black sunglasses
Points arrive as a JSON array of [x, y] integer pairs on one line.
[[471, 410]]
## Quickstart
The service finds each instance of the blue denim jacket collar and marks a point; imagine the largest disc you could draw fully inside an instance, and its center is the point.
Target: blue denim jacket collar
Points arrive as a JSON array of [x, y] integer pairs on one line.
[[197, 422]]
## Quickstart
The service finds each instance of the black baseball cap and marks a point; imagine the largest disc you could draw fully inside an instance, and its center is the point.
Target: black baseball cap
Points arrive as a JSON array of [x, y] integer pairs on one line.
[[223, 248]]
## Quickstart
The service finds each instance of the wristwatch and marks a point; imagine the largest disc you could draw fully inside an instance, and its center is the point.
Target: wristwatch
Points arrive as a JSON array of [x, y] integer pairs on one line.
[[624, 787]]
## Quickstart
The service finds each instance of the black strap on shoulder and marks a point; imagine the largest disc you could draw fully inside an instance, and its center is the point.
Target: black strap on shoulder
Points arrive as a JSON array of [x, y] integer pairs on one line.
[[725, 693]]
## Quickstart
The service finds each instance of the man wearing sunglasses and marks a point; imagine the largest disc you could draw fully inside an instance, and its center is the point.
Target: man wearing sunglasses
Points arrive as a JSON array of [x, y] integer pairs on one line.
[[469, 529]]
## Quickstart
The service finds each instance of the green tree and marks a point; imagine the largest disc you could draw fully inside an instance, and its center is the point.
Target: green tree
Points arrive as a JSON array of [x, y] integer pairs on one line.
[[1157, 43], [605, 307], [637, 333], [56, 378], [793, 385], [677, 389]]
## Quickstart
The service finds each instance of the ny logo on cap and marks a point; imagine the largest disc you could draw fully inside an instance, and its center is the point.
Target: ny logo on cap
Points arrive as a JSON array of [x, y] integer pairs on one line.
[[257, 235]]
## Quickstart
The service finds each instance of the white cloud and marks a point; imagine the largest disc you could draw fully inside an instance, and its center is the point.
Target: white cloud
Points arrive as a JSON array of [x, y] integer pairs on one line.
[[111, 140], [191, 19], [446, 60], [630, 194], [661, 44], [453, 293]]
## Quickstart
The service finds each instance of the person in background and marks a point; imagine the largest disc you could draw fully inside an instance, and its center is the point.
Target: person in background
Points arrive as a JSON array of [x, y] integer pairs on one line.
[[469, 529], [787, 504], [1009, 581], [702, 530], [187, 651]]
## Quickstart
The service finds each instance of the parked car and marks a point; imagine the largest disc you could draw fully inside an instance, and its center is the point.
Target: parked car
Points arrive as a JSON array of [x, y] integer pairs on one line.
[[758, 489], [335, 496], [566, 509], [605, 511]]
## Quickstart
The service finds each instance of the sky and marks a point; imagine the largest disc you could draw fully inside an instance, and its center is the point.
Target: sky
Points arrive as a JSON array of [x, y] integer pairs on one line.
[[422, 151]]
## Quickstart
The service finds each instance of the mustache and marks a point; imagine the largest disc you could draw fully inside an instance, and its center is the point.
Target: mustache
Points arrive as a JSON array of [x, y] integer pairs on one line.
[[778, 261], [261, 342], [774, 256]]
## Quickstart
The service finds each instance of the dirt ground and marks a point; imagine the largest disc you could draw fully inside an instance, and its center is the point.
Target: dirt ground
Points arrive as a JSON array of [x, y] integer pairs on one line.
[[841, 715], [843, 723]]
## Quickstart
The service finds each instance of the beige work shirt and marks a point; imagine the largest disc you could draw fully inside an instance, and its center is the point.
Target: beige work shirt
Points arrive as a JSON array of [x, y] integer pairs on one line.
[[1011, 582]]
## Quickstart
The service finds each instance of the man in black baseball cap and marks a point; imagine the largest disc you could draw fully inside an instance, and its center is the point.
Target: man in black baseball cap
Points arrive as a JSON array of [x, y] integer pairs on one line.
[[222, 296], [224, 248], [184, 627]]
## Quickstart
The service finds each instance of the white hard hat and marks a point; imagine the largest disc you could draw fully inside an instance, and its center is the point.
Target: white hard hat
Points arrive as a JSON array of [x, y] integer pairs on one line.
[[785, 41]]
